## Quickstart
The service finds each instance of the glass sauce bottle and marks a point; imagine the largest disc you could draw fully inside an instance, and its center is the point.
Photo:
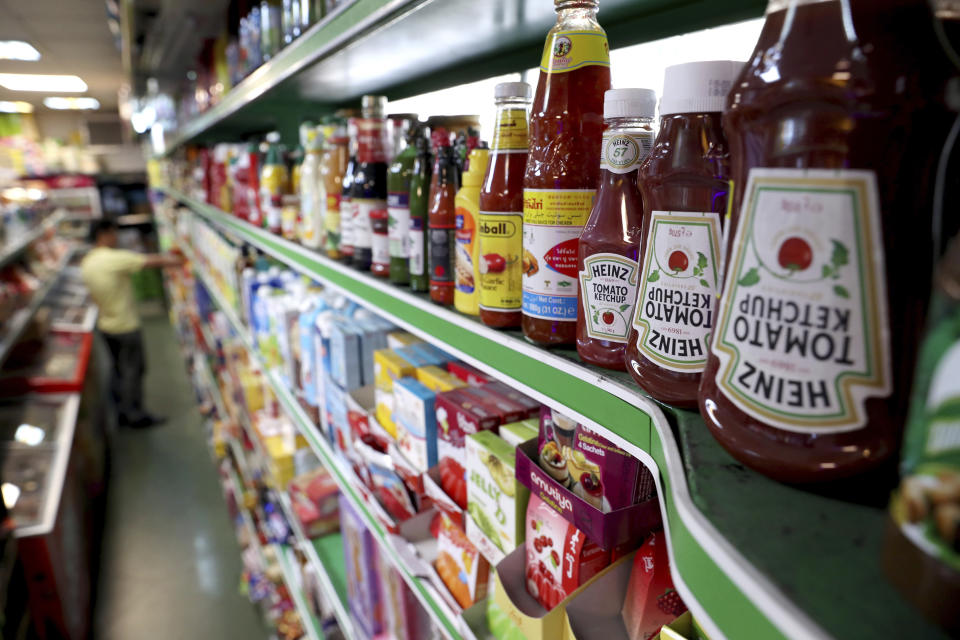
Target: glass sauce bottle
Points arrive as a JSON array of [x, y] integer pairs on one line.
[[834, 128], [501, 209], [398, 200], [610, 243], [419, 214], [684, 183], [346, 200], [562, 175], [442, 219], [368, 194], [333, 166]]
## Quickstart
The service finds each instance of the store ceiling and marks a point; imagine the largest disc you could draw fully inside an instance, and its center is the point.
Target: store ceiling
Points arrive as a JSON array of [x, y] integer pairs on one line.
[[72, 37]]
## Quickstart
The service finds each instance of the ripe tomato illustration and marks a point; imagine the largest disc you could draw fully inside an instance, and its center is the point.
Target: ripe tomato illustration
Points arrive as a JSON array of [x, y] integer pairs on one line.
[[493, 263], [795, 254], [678, 261], [607, 317]]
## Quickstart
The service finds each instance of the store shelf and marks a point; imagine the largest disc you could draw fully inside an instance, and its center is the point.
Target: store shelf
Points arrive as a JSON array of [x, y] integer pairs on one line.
[[246, 519], [330, 567], [291, 576], [20, 320], [405, 47], [14, 248], [751, 557]]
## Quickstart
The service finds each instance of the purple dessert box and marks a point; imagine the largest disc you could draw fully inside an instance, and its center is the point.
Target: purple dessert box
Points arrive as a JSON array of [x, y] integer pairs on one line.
[[363, 583]]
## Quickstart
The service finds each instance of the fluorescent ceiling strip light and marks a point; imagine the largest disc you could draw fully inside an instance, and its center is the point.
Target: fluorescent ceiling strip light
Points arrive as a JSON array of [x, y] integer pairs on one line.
[[42, 82], [18, 50], [57, 102]]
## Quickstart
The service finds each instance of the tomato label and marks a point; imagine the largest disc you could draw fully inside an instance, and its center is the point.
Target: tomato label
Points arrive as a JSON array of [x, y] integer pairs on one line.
[[678, 296], [608, 290], [499, 264], [802, 330], [552, 222]]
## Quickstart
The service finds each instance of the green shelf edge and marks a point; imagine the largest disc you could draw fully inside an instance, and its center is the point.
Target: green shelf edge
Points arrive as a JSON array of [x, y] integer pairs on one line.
[[726, 593], [329, 549]]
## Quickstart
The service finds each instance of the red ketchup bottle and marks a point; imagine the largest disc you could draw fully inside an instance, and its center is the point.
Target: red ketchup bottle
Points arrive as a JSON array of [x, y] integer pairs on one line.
[[442, 222], [684, 184], [610, 242]]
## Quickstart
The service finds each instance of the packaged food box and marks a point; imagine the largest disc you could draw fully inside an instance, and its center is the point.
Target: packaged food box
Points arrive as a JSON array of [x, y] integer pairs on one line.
[[412, 477], [458, 415], [559, 556], [339, 420], [683, 628], [346, 367], [530, 406], [495, 500], [388, 368], [459, 564], [470, 375], [398, 339], [416, 420], [437, 379], [314, 498], [372, 338], [591, 466], [434, 354], [516, 433], [416, 357], [506, 409], [404, 618], [439, 497], [652, 601], [363, 583]]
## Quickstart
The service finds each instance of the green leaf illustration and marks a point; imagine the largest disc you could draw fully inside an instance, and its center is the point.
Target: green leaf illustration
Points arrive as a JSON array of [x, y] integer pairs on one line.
[[750, 278], [564, 283], [704, 282], [841, 291], [624, 307], [654, 276], [826, 271], [553, 561], [840, 255], [701, 261]]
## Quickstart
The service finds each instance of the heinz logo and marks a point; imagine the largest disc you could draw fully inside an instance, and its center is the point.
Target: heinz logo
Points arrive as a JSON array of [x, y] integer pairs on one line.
[[551, 491], [610, 270]]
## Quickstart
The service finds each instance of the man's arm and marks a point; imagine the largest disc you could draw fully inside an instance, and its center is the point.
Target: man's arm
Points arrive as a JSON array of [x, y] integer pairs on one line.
[[163, 260]]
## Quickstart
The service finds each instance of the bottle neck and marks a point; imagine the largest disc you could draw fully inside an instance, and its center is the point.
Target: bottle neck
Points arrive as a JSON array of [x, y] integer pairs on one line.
[[626, 144], [576, 13]]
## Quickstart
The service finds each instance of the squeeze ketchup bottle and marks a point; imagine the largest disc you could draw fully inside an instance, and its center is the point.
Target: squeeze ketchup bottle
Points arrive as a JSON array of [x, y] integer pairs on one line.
[[835, 126], [684, 183], [610, 243], [562, 175], [442, 219]]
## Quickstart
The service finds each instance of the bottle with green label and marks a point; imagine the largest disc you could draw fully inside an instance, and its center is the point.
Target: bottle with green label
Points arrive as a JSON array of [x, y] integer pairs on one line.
[[610, 243], [398, 203], [685, 183], [419, 209]]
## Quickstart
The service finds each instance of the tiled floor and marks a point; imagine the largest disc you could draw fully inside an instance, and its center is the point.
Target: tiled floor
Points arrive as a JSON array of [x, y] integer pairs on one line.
[[171, 565]]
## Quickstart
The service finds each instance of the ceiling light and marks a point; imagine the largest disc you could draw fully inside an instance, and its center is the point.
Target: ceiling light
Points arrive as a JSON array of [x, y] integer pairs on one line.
[[29, 435], [56, 102], [18, 50], [10, 493], [41, 82], [18, 106]]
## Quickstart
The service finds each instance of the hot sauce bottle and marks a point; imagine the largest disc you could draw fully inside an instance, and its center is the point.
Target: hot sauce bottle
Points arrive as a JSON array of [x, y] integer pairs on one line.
[[500, 226], [562, 175], [610, 242], [442, 219], [368, 194], [684, 183], [346, 200], [419, 214], [835, 128]]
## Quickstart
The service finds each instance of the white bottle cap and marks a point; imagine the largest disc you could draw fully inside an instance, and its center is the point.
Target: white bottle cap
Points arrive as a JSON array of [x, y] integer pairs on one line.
[[629, 103], [512, 90], [698, 87]]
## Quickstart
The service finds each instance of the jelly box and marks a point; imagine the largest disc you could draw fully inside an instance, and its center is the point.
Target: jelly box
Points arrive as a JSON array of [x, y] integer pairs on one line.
[[516, 433], [458, 414], [495, 500], [651, 601], [398, 339], [459, 564], [388, 368], [416, 421], [530, 406], [506, 410], [437, 379], [470, 375]]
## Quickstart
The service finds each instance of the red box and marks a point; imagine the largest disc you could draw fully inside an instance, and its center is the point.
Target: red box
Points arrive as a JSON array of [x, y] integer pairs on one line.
[[59, 365], [471, 375], [459, 414]]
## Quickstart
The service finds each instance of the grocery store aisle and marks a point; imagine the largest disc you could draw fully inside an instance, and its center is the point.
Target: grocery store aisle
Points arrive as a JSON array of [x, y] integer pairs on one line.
[[171, 564]]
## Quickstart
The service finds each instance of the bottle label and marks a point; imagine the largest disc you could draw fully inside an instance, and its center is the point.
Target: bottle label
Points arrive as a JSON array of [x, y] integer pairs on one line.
[[608, 286], [441, 271], [417, 249], [346, 224], [569, 50], [466, 235], [623, 151], [511, 131], [379, 219], [362, 226], [552, 222], [802, 331], [398, 209], [331, 220], [371, 140], [678, 294], [501, 244]]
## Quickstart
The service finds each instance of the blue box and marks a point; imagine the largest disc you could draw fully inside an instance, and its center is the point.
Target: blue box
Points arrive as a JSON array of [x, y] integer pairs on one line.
[[416, 419]]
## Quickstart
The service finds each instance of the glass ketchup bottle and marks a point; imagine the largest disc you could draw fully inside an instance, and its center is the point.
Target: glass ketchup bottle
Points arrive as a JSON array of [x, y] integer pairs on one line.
[[368, 194], [501, 209], [684, 183], [835, 128], [442, 222], [610, 242], [562, 175]]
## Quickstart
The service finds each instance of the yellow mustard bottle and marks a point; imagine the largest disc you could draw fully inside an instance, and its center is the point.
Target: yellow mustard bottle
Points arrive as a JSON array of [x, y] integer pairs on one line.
[[466, 293]]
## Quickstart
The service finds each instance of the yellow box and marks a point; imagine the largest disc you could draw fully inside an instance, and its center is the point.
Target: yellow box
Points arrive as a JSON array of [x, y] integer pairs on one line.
[[397, 339], [388, 367], [437, 379], [683, 628], [252, 386]]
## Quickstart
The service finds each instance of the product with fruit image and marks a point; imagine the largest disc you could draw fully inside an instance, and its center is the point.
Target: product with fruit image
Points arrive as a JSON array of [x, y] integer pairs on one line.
[[652, 601], [496, 501], [458, 415], [461, 567]]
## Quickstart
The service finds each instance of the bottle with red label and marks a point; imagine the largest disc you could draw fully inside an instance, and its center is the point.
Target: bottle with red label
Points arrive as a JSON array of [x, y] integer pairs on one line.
[[442, 219], [684, 183], [562, 176], [835, 128], [368, 194], [610, 242]]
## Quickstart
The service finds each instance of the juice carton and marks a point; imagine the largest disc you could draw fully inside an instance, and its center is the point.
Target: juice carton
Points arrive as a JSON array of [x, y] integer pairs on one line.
[[388, 367], [559, 557], [458, 415], [459, 564], [416, 421], [345, 361], [471, 375], [594, 468], [437, 379], [495, 500], [517, 433], [652, 601], [363, 584]]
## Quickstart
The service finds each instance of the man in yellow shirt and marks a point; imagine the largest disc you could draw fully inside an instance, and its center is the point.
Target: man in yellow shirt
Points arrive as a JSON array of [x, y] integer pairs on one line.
[[106, 272]]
